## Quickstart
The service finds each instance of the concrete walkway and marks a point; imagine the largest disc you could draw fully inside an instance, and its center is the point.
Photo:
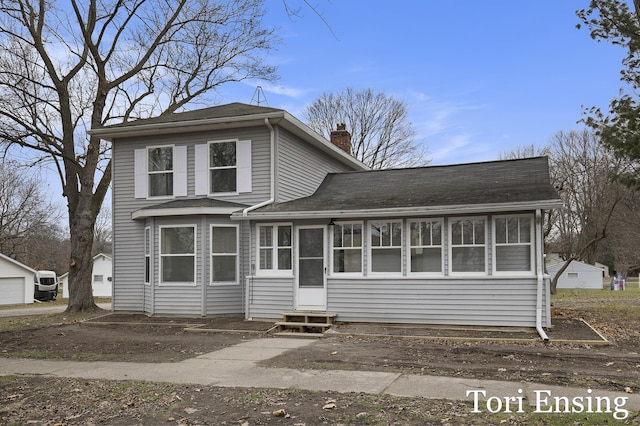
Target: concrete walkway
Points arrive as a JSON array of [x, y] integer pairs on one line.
[[236, 366]]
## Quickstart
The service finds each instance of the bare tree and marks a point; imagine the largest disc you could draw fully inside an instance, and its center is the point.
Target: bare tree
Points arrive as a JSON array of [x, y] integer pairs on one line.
[[381, 135], [25, 211], [69, 66], [586, 174], [103, 232]]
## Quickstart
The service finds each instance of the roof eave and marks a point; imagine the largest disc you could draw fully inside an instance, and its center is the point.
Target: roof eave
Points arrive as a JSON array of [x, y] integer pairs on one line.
[[462, 209], [184, 211]]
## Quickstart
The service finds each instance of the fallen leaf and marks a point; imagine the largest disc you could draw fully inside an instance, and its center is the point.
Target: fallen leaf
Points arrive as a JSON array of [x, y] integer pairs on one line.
[[190, 410], [279, 413], [329, 406], [334, 353], [628, 390]]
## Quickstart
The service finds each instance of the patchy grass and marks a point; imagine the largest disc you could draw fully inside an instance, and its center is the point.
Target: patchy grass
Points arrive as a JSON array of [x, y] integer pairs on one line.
[[58, 302], [45, 320]]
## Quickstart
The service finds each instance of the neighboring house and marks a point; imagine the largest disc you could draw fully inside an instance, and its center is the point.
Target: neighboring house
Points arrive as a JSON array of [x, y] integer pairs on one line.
[[16, 282], [578, 275], [244, 209], [101, 278]]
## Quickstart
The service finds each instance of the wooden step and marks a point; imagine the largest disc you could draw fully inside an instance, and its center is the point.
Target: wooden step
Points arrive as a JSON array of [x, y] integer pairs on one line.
[[299, 335], [309, 317]]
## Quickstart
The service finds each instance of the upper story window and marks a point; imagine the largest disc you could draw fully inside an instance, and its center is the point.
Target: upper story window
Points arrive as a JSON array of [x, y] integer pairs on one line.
[[425, 242], [274, 248], [468, 246], [160, 171], [386, 246], [223, 167], [347, 247], [513, 243]]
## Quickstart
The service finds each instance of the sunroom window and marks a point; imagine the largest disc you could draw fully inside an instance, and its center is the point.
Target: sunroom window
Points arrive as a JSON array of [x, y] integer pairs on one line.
[[425, 240], [274, 248], [386, 246], [177, 255], [347, 247], [468, 247], [513, 244]]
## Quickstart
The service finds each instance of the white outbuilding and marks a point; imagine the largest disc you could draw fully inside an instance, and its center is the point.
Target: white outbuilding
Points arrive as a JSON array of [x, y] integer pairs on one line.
[[578, 275], [16, 282], [101, 278]]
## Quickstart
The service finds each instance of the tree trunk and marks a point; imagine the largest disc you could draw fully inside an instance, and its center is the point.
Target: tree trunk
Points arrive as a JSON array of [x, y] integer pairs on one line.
[[81, 224]]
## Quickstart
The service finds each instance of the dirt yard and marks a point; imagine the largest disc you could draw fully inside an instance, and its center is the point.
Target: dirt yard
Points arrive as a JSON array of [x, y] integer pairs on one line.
[[117, 337]]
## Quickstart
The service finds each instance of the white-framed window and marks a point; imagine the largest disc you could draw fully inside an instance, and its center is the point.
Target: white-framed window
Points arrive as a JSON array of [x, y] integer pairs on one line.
[[160, 171], [468, 248], [573, 275], [347, 247], [223, 167], [98, 278], [513, 241], [275, 244], [386, 246], [178, 255], [147, 255], [425, 245], [224, 254]]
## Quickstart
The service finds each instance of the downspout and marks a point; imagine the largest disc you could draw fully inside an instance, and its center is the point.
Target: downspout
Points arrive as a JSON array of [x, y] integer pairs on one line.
[[540, 276], [272, 189], [273, 171]]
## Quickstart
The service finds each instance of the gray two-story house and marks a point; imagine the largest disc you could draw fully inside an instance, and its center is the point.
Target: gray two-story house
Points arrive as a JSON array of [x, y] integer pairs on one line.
[[244, 209]]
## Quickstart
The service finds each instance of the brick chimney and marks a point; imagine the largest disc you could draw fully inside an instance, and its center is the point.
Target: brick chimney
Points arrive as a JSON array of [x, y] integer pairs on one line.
[[341, 138]]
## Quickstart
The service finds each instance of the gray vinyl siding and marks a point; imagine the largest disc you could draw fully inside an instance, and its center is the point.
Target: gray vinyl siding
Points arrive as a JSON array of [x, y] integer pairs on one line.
[[301, 168], [130, 293], [269, 297], [488, 302]]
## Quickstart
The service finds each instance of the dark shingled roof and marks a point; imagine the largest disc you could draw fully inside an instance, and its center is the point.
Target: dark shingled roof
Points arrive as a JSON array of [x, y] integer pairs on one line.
[[235, 109], [496, 182]]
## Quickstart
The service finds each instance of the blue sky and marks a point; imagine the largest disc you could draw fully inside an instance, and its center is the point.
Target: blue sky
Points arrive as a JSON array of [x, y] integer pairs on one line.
[[478, 77]]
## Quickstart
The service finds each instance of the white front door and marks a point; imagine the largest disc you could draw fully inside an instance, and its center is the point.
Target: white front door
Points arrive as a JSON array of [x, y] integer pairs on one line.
[[311, 272]]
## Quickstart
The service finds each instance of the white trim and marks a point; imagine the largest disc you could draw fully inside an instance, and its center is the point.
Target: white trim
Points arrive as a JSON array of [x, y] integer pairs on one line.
[[244, 176], [211, 255], [172, 171], [180, 171], [332, 249], [140, 176], [464, 209], [273, 272], [442, 247], [297, 292], [401, 247], [494, 245], [183, 211], [195, 257], [201, 164], [485, 245]]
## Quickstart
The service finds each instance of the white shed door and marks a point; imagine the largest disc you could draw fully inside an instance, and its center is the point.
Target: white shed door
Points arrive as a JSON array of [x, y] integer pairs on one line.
[[11, 291]]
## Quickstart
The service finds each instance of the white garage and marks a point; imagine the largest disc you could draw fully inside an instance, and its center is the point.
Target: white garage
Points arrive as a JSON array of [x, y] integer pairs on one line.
[[16, 282], [578, 275]]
